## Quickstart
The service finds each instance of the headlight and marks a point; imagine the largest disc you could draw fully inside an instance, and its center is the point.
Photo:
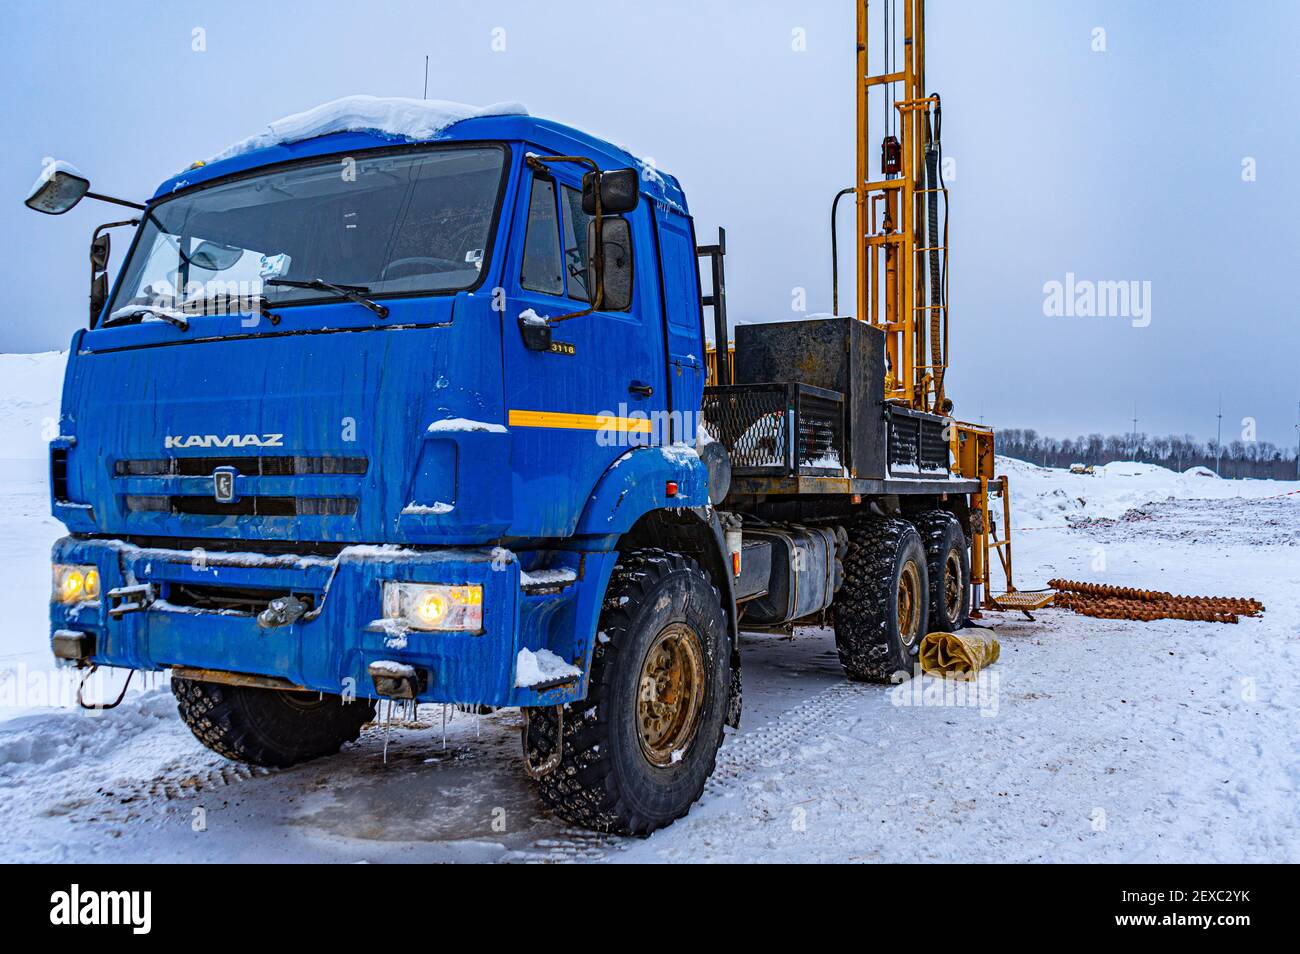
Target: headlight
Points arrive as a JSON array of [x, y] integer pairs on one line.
[[73, 584], [426, 607]]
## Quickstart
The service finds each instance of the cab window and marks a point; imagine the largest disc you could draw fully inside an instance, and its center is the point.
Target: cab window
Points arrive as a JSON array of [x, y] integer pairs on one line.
[[543, 269], [575, 244]]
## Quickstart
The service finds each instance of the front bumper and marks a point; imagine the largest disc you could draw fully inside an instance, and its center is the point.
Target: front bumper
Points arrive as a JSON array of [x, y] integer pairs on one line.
[[331, 649]]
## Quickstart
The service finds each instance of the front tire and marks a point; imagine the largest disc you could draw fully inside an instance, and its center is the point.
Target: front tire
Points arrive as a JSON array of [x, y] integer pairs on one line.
[[638, 750], [882, 610], [270, 727]]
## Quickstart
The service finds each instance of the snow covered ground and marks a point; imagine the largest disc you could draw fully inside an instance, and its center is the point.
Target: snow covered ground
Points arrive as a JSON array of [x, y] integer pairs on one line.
[[1090, 740]]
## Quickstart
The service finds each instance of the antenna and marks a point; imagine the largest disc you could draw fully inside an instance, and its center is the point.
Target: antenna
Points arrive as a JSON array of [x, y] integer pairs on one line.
[[426, 77], [1135, 430], [1218, 438]]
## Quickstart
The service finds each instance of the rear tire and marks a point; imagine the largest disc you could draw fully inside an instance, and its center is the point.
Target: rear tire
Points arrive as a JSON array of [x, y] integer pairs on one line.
[[638, 750], [948, 564], [881, 611], [270, 727]]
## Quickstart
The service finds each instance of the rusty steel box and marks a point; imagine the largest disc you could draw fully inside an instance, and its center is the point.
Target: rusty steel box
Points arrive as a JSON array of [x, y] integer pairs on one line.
[[837, 354]]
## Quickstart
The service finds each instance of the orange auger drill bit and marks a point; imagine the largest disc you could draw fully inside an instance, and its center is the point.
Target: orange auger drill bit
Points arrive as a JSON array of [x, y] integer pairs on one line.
[[1122, 602]]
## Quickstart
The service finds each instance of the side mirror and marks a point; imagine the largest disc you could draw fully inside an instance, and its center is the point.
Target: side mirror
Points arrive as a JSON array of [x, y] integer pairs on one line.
[[617, 241], [100, 247], [57, 190], [620, 190]]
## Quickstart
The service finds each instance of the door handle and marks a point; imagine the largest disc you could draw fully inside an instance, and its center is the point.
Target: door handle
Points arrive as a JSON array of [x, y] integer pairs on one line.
[[636, 387]]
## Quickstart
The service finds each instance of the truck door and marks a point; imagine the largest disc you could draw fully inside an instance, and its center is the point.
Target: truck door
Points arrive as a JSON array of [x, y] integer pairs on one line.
[[576, 409], [683, 319]]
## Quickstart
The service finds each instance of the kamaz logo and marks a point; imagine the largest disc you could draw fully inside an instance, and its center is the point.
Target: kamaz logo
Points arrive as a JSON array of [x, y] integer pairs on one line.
[[225, 440]]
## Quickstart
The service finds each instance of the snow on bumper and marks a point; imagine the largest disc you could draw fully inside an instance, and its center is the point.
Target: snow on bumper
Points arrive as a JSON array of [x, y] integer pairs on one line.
[[330, 648]]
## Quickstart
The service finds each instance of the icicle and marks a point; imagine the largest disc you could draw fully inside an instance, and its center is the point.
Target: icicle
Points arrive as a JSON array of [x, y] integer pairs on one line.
[[387, 721], [444, 727]]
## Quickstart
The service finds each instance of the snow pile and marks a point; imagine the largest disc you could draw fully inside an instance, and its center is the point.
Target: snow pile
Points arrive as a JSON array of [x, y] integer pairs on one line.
[[58, 740], [394, 117], [437, 507], [392, 668], [460, 424], [1047, 496], [547, 577], [543, 666]]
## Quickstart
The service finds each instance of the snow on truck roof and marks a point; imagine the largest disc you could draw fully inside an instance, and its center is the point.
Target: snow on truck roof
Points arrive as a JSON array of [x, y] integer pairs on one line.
[[362, 122], [412, 120]]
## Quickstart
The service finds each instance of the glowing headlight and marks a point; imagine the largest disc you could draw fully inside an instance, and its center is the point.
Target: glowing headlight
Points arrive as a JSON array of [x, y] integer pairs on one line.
[[427, 607], [73, 584]]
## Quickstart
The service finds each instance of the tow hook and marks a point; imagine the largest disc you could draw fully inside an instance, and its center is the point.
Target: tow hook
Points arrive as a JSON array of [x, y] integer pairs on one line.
[[552, 760], [101, 706], [131, 599], [281, 611], [394, 680]]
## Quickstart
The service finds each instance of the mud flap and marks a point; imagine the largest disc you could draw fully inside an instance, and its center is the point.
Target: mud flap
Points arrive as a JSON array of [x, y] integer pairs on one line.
[[732, 717]]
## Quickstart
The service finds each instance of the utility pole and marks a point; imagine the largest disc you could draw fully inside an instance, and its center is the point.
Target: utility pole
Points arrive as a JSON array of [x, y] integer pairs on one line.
[[1218, 439], [1135, 430]]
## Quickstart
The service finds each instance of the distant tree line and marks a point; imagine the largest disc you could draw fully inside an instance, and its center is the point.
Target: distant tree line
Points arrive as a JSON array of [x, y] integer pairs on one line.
[[1236, 459]]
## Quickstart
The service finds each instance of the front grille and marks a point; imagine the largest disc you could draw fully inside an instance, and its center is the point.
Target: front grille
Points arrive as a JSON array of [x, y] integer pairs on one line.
[[228, 599], [59, 472], [247, 466], [244, 507]]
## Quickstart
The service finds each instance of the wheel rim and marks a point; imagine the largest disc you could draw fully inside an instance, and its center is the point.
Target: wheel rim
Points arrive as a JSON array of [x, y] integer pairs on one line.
[[952, 585], [909, 603], [670, 694]]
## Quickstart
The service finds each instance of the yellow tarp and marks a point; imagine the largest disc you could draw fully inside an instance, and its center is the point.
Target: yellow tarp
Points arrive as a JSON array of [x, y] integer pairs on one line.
[[959, 655]]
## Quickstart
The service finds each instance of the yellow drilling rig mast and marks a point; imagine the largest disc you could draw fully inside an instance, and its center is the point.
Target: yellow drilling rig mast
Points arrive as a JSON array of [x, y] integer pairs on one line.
[[902, 250], [900, 253], [902, 256]]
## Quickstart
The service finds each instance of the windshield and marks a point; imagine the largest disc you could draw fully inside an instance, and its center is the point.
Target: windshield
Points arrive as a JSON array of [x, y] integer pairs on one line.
[[390, 224]]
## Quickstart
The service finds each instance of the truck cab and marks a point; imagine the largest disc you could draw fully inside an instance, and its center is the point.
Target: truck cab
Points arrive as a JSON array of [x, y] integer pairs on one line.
[[309, 425]]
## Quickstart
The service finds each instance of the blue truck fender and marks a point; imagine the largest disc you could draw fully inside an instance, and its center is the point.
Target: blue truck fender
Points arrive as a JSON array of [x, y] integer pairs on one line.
[[637, 484], [644, 479]]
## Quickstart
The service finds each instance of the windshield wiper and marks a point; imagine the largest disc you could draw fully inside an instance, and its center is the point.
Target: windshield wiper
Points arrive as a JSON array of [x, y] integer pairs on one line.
[[138, 311], [354, 293]]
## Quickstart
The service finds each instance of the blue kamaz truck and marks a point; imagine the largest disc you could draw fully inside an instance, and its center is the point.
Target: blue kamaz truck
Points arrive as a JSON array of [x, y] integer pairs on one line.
[[375, 414]]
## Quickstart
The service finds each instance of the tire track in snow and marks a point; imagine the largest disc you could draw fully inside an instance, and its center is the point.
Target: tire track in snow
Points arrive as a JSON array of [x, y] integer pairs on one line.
[[770, 744]]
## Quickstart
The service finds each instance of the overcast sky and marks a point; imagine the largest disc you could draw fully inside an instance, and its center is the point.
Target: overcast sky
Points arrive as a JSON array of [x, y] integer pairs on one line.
[[1117, 165]]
